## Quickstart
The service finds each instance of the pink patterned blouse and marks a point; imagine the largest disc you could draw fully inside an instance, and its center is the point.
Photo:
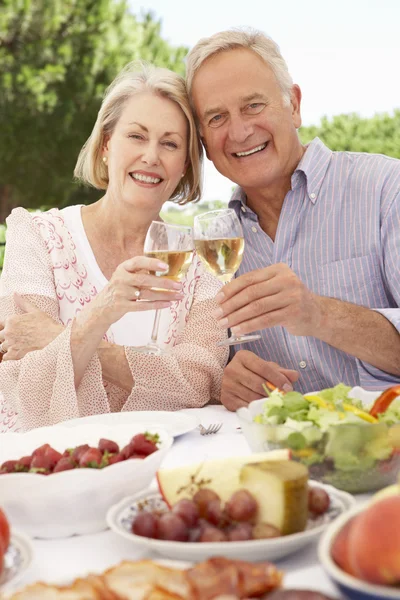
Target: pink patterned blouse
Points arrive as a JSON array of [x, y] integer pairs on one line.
[[43, 263]]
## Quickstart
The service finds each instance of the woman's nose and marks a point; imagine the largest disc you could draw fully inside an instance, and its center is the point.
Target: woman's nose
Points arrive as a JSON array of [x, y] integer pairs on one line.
[[150, 155]]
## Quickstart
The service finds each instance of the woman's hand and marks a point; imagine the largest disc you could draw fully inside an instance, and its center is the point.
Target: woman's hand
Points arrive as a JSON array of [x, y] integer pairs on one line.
[[134, 287], [20, 334]]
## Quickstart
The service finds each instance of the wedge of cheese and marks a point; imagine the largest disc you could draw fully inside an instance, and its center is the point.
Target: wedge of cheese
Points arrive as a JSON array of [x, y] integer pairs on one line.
[[220, 475], [281, 490]]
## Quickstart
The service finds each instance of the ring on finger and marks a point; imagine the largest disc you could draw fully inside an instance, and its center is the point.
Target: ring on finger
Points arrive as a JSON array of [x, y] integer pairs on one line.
[[137, 293]]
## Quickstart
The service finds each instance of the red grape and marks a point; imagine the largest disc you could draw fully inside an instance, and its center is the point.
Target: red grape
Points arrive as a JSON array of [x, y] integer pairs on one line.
[[240, 532], [263, 531], [242, 506], [188, 511], [145, 525], [318, 501], [108, 446], [173, 528], [202, 498], [214, 512], [212, 534]]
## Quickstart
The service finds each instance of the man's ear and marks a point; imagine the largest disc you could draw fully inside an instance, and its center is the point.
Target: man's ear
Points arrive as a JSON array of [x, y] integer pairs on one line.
[[295, 102]]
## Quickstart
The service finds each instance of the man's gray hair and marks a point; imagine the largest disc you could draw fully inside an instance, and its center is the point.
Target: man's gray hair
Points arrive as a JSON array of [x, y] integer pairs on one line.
[[232, 39]]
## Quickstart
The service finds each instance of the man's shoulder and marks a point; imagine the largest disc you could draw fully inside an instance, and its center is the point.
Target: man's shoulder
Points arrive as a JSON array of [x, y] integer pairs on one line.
[[368, 160]]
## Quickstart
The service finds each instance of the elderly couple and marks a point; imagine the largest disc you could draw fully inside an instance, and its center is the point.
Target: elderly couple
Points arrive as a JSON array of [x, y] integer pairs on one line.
[[320, 278]]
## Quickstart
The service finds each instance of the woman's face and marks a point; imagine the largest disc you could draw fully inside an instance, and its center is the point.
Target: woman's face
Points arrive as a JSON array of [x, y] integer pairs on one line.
[[147, 152]]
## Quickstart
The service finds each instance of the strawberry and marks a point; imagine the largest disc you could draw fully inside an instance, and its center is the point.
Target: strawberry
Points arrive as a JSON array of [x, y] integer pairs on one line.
[[91, 458]]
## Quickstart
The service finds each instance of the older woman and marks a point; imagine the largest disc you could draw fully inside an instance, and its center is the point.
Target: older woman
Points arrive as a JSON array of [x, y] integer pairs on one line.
[[69, 309]]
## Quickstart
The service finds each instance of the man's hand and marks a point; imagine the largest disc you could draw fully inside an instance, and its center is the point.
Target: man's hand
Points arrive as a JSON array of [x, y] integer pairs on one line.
[[266, 298], [20, 334], [244, 376]]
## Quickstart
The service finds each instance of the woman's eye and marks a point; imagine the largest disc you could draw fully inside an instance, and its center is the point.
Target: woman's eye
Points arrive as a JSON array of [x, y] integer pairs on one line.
[[171, 145], [135, 136]]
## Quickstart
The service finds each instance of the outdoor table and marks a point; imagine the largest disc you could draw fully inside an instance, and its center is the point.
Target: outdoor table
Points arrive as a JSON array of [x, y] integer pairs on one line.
[[62, 560]]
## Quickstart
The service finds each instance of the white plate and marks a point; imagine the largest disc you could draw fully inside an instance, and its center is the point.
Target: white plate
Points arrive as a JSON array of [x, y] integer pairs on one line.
[[121, 516], [174, 423], [16, 560]]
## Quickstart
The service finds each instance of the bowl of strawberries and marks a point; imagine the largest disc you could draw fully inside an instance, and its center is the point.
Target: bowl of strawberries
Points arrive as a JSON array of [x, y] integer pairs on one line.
[[57, 482]]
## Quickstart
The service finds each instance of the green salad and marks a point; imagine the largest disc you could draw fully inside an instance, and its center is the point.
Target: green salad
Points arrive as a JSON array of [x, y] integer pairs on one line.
[[332, 434]]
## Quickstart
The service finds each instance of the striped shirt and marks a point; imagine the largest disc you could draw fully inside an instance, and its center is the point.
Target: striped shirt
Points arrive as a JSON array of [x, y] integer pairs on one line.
[[339, 231]]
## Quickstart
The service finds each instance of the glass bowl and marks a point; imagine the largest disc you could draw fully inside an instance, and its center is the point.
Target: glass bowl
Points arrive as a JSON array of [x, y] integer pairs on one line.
[[354, 457]]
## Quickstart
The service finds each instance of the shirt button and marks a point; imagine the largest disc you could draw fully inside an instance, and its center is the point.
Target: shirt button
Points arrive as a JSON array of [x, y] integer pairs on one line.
[[302, 364], [254, 229], [312, 196], [243, 208]]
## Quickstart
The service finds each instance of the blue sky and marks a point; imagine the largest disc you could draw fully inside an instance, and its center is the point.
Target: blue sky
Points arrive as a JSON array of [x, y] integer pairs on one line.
[[344, 54]]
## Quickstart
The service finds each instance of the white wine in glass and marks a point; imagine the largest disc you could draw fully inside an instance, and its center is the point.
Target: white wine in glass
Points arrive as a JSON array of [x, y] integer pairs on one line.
[[219, 242], [173, 245]]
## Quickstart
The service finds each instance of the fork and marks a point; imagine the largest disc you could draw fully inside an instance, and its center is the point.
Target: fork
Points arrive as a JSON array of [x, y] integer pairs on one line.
[[213, 428]]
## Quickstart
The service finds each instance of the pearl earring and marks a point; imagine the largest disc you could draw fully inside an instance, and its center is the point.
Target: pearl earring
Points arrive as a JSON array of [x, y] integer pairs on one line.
[[105, 160], [183, 175]]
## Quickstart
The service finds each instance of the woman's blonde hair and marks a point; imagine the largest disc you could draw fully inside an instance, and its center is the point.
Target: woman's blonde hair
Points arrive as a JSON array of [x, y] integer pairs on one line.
[[136, 77], [232, 39]]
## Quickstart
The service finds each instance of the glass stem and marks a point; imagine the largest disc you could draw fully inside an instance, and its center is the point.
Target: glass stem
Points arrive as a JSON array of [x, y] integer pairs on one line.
[[154, 333]]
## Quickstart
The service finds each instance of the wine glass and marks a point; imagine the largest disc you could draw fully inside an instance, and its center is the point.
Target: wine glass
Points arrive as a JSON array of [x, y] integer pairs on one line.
[[173, 245], [219, 242]]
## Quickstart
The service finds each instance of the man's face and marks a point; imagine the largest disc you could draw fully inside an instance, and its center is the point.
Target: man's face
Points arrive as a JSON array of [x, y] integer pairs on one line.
[[248, 130]]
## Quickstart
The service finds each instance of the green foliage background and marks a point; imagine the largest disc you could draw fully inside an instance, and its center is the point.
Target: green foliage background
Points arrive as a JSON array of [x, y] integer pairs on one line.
[[57, 58]]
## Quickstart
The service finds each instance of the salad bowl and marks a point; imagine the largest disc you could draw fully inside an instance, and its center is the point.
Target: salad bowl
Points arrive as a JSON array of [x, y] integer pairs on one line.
[[328, 432]]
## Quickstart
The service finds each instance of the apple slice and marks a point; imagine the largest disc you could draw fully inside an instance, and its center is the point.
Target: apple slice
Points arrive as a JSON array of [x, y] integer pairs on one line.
[[221, 475]]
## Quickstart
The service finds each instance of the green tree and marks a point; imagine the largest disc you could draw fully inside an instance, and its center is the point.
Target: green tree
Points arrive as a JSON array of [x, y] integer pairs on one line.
[[56, 59], [380, 134]]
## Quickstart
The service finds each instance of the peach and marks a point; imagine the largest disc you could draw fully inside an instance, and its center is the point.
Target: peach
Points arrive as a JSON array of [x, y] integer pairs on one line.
[[340, 547], [374, 543]]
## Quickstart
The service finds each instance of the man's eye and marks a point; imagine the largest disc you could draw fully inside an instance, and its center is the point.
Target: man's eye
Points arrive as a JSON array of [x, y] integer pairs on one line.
[[215, 120], [256, 107]]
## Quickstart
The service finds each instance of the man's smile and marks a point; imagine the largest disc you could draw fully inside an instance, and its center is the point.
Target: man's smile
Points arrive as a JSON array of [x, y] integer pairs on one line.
[[251, 151]]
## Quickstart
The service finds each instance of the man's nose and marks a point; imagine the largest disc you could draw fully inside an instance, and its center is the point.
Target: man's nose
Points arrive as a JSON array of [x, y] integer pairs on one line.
[[151, 155], [239, 129]]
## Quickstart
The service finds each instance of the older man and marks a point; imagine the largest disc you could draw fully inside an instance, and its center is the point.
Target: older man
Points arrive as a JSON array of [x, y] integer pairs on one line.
[[320, 277]]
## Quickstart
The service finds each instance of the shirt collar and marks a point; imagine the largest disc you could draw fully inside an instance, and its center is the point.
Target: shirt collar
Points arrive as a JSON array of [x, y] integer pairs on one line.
[[311, 170]]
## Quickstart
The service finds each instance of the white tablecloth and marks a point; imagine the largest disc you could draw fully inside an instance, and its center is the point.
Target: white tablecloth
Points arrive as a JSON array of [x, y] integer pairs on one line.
[[62, 560]]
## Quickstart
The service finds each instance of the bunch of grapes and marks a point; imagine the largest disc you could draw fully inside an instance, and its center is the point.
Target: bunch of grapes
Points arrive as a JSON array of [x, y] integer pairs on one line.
[[205, 519], [45, 460]]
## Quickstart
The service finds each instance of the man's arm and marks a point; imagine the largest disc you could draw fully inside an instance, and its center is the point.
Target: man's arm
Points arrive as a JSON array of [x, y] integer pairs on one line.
[[359, 331], [275, 296]]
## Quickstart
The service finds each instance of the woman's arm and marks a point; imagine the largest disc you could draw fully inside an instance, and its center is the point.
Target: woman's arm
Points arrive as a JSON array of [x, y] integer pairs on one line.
[[190, 374]]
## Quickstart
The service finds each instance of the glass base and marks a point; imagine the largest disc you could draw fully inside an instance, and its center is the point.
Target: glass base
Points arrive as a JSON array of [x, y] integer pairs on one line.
[[150, 349], [239, 339]]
